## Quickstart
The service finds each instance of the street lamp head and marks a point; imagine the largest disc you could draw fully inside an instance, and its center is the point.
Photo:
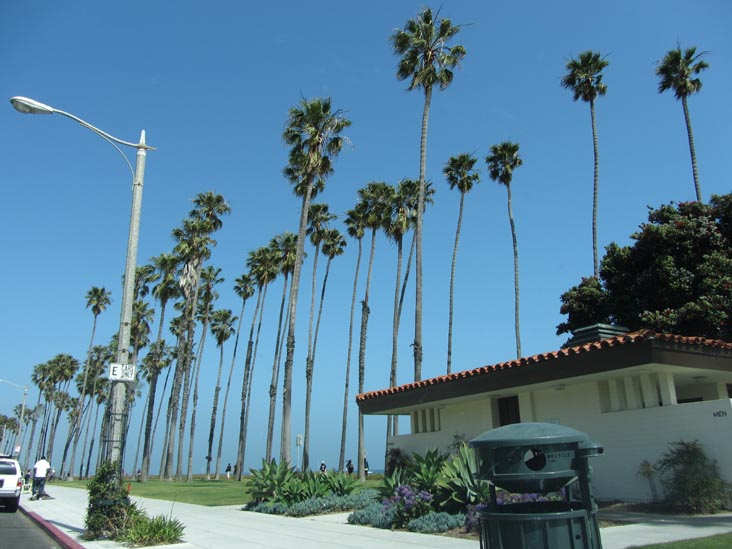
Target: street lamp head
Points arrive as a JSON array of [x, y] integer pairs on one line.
[[30, 106]]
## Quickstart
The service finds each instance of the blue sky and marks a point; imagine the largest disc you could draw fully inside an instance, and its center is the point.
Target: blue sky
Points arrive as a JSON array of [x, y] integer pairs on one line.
[[211, 85]]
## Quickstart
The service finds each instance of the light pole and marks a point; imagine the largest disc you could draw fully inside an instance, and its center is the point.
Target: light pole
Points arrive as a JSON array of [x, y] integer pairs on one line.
[[122, 371], [22, 411]]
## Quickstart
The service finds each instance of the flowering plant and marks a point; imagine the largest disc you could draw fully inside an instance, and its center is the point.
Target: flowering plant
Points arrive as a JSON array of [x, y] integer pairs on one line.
[[407, 504]]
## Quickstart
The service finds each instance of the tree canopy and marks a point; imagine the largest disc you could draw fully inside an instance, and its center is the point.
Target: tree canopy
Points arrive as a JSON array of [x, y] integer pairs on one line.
[[676, 277]]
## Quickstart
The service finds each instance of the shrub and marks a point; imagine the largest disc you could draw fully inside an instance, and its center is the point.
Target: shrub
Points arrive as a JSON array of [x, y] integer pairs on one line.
[[396, 458], [692, 482], [436, 522], [315, 506], [159, 530], [267, 483], [391, 482], [110, 509], [341, 484], [375, 515], [457, 486], [426, 470], [408, 504]]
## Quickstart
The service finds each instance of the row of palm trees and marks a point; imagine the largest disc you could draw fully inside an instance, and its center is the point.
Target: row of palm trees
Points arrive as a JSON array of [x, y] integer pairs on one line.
[[313, 133]]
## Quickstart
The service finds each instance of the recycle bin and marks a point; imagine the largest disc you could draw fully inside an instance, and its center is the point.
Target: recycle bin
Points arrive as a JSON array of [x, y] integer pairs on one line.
[[537, 458]]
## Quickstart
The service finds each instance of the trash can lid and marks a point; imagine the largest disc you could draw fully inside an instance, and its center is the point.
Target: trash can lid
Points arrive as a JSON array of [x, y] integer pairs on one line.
[[525, 434]]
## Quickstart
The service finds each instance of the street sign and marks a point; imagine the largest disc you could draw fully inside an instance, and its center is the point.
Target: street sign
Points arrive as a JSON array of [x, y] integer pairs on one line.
[[121, 372]]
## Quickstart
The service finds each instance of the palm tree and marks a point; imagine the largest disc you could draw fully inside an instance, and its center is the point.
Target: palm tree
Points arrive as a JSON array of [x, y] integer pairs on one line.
[[333, 245], [584, 79], [263, 265], [244, 288], [286, 246], [101, 356], [461, 175], [318, 219], [222, 328], [165, 266], [502, 161], [356, 227], [97, 299], [676, 71], [373, 207], [313, 133], [208, 295], [193, 248], [428, 61]]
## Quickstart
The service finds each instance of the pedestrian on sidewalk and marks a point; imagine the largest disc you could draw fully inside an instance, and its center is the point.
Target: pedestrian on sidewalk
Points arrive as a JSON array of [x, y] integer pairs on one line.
[[40, 470], [228, 471]]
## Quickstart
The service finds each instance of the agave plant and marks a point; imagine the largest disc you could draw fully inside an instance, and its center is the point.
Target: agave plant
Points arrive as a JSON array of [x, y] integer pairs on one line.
[[389, 484], [457, 486], [341, 484], [267, 483], [426, 470]]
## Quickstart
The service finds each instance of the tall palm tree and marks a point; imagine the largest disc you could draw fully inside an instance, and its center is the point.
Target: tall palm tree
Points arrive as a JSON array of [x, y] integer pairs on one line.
[[584, 79], [165, 266], [101, 356], [263, 265], [374, 207], [676, 72], [208, 295], [502, 161], [461, 175], [222, 328], [193, 247], [356, 228], [244, 288], [428, 61], [97, 299], [319, 218], [62, 369], [333, 245], [313, 131], [286, 246]]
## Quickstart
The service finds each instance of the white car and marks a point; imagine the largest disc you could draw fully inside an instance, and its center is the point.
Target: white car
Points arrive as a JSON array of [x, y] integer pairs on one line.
[[11, 483]]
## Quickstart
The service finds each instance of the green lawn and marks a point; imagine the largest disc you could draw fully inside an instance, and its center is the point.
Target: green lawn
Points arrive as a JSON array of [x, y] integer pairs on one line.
[[722, 541], [199, 491]]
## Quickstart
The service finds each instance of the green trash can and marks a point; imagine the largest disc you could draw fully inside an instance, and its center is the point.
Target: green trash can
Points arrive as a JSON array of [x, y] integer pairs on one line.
[[538, 458]]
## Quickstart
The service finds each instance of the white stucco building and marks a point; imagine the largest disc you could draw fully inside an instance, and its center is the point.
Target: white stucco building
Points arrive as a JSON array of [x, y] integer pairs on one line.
[[634, 393]]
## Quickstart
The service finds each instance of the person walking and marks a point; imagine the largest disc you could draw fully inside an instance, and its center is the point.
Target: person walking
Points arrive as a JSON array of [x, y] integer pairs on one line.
[[323, 467], [40, 470], [228, 471], [349, 467]]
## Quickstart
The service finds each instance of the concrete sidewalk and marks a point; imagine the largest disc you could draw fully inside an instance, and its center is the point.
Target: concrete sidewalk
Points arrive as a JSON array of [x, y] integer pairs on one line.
[[228, 527]]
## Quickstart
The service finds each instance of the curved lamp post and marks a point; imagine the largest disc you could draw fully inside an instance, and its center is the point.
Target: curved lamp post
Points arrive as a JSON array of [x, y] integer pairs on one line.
[[22, 410], [121, 371]]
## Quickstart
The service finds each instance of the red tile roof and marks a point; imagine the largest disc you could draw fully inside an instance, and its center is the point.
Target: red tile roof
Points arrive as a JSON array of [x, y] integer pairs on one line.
[[624, 339]]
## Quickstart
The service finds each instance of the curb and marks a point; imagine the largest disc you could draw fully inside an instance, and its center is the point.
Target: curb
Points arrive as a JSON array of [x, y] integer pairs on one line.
[[65, 541]]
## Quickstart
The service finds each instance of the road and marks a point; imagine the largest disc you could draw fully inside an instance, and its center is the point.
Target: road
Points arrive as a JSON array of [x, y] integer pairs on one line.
[[19, 532]]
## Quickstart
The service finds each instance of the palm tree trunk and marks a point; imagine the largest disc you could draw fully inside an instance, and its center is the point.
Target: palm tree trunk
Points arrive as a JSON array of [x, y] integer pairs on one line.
[[344, 423], [149, 413], [226, 393], [214, 409], [692, 150], [452, 283], [391, 421], [362, 355], [192, 436], [309, 366], [275, 373], [82, 398], [245, 387], [595, 190], [418, 230], [515, 274], [286, 432]]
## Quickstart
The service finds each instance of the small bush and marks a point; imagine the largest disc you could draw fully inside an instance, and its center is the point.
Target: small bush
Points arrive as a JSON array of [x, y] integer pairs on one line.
[[159, 530], [341, 484], [267, 483], [457, 486], [408, 504], [436, 522], [316, 506], [110, 510], [692, 480], [374, 515]]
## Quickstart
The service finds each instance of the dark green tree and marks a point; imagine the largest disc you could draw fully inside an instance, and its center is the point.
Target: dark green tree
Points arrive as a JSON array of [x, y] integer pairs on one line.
[[676, 277]]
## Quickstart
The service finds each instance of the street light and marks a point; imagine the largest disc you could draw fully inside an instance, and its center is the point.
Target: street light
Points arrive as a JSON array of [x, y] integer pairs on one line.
[[121, 371], [22, 410]]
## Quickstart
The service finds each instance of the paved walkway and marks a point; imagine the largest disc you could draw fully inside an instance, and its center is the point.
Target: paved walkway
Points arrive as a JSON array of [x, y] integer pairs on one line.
[[228, 527]]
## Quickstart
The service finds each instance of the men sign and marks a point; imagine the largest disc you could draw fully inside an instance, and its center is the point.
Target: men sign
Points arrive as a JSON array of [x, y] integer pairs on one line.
[[121, 372]]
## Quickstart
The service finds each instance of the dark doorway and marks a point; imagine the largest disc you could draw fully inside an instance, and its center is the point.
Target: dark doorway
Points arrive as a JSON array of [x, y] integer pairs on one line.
[[508, 410]]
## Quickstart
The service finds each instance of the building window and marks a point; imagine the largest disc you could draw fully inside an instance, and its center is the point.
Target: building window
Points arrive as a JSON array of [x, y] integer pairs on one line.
[[426, 421]]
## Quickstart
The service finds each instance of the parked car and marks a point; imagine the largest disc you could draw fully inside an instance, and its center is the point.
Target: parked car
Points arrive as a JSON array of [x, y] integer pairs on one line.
[[11, 483]]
